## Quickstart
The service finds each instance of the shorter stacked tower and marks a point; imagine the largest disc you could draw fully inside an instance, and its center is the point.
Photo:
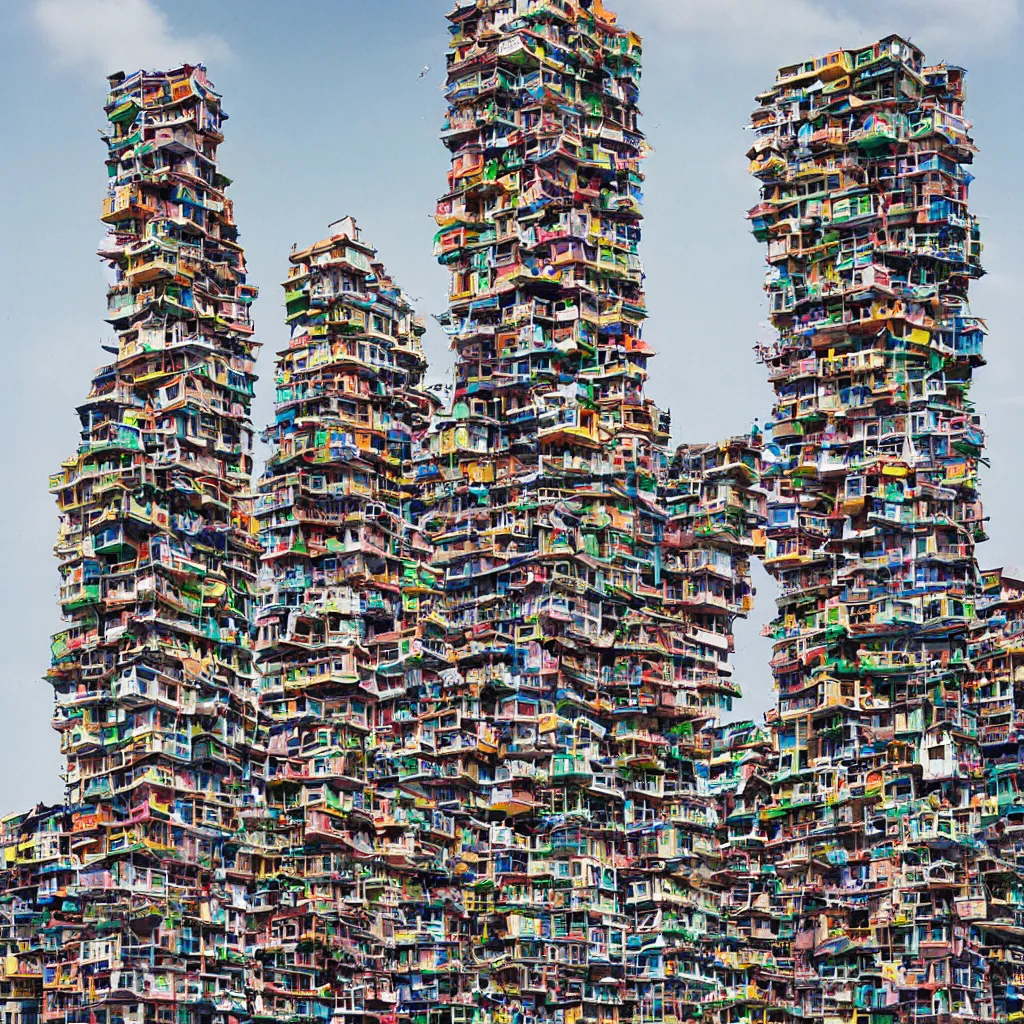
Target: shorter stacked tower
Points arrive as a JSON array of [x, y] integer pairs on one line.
[[340, 660]]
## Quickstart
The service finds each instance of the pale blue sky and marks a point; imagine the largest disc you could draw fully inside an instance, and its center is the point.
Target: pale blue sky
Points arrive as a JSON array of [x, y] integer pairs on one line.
[[329, 118]]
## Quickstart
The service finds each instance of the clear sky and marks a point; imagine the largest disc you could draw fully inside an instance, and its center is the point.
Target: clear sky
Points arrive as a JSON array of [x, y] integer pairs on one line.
[[329, 117]]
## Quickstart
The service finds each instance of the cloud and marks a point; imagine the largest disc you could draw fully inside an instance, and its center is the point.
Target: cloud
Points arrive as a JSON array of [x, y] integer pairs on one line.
[[742, 29], [117, 35]]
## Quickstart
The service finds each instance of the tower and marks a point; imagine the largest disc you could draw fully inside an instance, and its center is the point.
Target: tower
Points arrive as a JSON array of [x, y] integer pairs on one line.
[[339, 655], [153, 676], [589, 622], [874, 514]]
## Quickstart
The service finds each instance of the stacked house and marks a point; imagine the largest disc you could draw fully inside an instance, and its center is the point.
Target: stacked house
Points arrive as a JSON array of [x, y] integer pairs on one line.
[[134, 889], [876, 813], [755, 936], [996, 651]]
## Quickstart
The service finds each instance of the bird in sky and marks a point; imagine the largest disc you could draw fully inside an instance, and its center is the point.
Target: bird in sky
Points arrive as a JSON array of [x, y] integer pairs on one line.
[[424, 72]]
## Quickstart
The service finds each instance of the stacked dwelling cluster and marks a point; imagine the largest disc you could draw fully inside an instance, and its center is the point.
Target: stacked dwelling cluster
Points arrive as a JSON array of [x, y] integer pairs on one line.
[[426, 729], [419, 731], [873, 836], [121, 902]]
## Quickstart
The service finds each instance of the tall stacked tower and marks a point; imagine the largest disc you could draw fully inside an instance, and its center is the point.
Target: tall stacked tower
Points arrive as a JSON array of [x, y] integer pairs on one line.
[[590, 640], [153, 677], [874, 515], [339, 655]]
